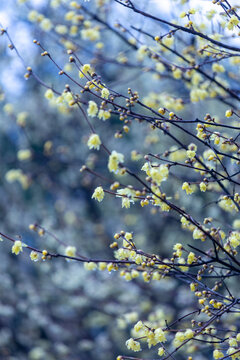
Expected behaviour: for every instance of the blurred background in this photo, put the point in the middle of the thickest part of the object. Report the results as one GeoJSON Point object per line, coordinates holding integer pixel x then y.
{"type": "Point", "coordinates": [56, 309]}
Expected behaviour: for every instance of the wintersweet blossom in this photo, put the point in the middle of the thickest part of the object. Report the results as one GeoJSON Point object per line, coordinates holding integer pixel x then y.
{"type": "Point", "coordinates": [127, 197]}
{"type": "Point", "coordinates": [61, 29]}
{"type": "Point", "coordinates": [199, 234]}
{"type": "Point", "coordinates": [234, 238]}
{"type": "Point", "coordinates": [189, 334]}
{"type": "Point", "coordinates": [17, 247]}
{"type": "Point", "coordinates": [159, 174]}
{"type": "Point", "coordinates": [94, 142]}
{"type": "Point", "coordinates": [138, 326]}
{"type": "Point", "coordinates": [160, 335]}
{"type": "Point", "coordinates": [179, 339]}
{"type": "Point", "coordinates": [85, 69]}
{"type": "Point", "coordinates": [161, 351]}
{"type": "Point", "coordinates": [229, 113]}
{"type": "Point", "coordinates": [105, 93]}
{"type": "Point", "coordinates": [70, 251]}
{"type": "Point", "coordinates": [191, 258]}
{"type": "Point", "coordinates": [232, 22]}
{"type": "Point", "coordinates": [98, 194]}
{"type": "Point", "coordinates": [133, 345]}
{"type": "Point", "coordinates": [46, 24]}
{"type": "Point", "coordinates": [49, 94]}
{"type": "Point", "coordinates": [90, 266]}
{"type": "Point", "coordinates": [34, 256]}
{"type": "Point", "coordinates": [218, 67]}
{"type": "Point", "coordinates": [104, 114]}
{"type": "Point", "coordinates": [217, 354]}
{"type": "Point", "coordinates": [92, 108]}
{"type": "Point", "coordinates": [102, 266]}
{"type": "Point", "coordinates": [203, 186]}
{"type": "Point", "coordinates": [91, 34]}
{"type": "Point", "coordinates": [188, 188]}
{"type": "Point", "coordinates": [114, 160]}
{"type": "Point", "coordinates": [24, 154]}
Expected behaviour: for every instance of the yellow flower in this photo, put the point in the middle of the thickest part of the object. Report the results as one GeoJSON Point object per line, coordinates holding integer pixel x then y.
{"type": "Point", "coordinates": [46, 24]}
{"type": "Point", "coordinates": [17, 247]}
{"type": "Point", "coordinates": [192, 11]}
{"type": "Point", "coordinates": [92, 108]}
{"type": "Point", "coordinates": [17, 175]}
{"type": "Point", "coordinates": [146, 167]}
{"type": "Point", "coordinates": [61, 29]}
{"type": "Point", "coordinates": [128, 276]}
{"type": "Point", "coordinates": [232, 22]}
{"type": "Point", "coordinates": [179, 338]}
{"type": "Point", "coordinates": [102, 266]}
{"type": "Point", "coordinates": [70, 251]}
{"type": "Point", "coordinates": [189, 333]}
{"type": "Point", "coordinates": [168, 41]}
{"type": "Point", "coordinates": [133, 345]}
{"type": "Point", "coordinates": [234, 238]}
{"type": "Point", "coordinates": [128, 236]}
{"type": "Point", "coordinates": [227, 204]}
{"type": "Point", "coordinates": [135, 156]}
{"type": "Point", "coordinates": [98, 194]}
{"type": "Point", "coordinates": [191, 258]}
{"type": "Point", "coordinates": [188, 188]}
{"type": "Point", "coordinates": [159, 335]}
{"type": "Point", "coordinates": [229, 113]}
{"type": "Point", "coordinates": [198, 234]}
{"type": "Point", "coordinates": [104, 114]}
{"type": "Point", "coordinates": [99, 45]}
{"type": "Point", "coordinates": [138, 326]}
{"type": "Point", "coordinates": [159, 174]}
{"type": "Point", "coordinates": [182, 262]}
{"type": "Point", "coordinates": [203, 186]}
{"type": "Point", "coordinates": [86, 68]}
{"type": "Point", "coordinates": [73, 30]}
{"type": "Point", "coordinates": [160, 67]}
{"type": "Point", "coordinates": [24, 154]}
{"type": "Point", "coordinates": [126, 202]}
{"type": "Point", "coordinates": [233, 342]}
{"type": "Point", "coordinates": [105, 93]}
{"type": "Point", "coordinates": [232, 351]}
{"type": "Point", "coordinates": [217, 354]}
{"type": "Point", "coordinates": [193, 287]}
{"type": "Point", "coordinates": [94, 142]}
{"type": "Point", "coordinates": [21, 118]}
{"type": "Point", "coordinates": [33, 15]}
{"type": "Point", "coordinates": [49, 94]}
{"type": "Point", "coordinates": [75, 4]}
{"type": "Point", "coordinates": [8, 109]}
{"type": "Point", "coordinates": [90, 266]}
{"type": "Point", "coordinates": [91, 34]}
{"type": "Point", "coordinates": [183, 14]}
{"type": "Point", "coordinates": [34, 256]}
{"type": "Point", "coordinates": [177, 74]}
{"type": "Point", "coordinates": [161, 111]}
{"type": "Point", "coordinates": [191, 154]}
{"type": "Point", "coordinates": [114, 159]}
{"type": "Point", "coordinates": [236, 224]}
{"type": "Point", "coordinates": [217, 67]}
{"type": "Point", "coordinates": [161, 351]}
{"type": "Point", "coordinates": [69, 15]}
